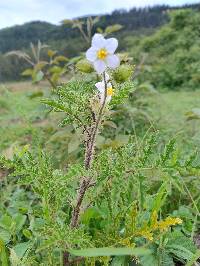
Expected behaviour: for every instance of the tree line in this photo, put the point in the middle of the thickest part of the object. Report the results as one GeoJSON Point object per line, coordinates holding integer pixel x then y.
{"type": "Point", "coordinates": [66, 39]}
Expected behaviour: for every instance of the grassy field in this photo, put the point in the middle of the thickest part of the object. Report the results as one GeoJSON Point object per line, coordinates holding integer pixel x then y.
{"type": "Point", "coordinates": [21, 116]}
{"type": "Point", "coordinates": [24, 120]}
{"type": "Point", "coordinates": [170, 113]}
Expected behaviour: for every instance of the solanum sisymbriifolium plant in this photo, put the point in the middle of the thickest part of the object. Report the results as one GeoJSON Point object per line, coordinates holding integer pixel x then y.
{"type": "Point", "coordinates": [88, 105]}
{"type": "Point", "coordinates": [110, 206]}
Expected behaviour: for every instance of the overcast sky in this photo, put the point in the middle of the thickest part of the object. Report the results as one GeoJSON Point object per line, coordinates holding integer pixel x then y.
{"type": "Point", "coordinates": [14, 12]}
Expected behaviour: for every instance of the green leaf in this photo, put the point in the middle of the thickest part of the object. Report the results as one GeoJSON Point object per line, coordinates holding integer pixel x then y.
{"type": "Point", "coordinates": [74, 143]}
{"type": "Point", "coordinates": [119, 261]}
{"type": "Point", "coordinates": [113, 28]}
{"type": "Point", "coordinates": [166, 259]}
{"type": "Point", "coordinates": [27, 233]}
{"type": "Point", "coordinates": [178, 241]}
{"type": "Point", "coordinates": [150, 260]}
{"type": "Point", "coordinates": [6, 222]}
{"type": "Point", "coordinates": [40, 65]}
{"type": "Point", "coordinates": [27, 72]}
{"type": "Point", "coordinates": [20, 221]}
{"type": "Point", "coordinates": [54, 104]}
{"type": "Point", "coordinates": [3, 254]}
{"type": "Point", "coordinates": [21, 248]}
{"type": "Point", "coordinates": [180, 246]}
{"type": "Point", "coordinates": [60, 58]}
{"type": "Point", "coordinates": [51, 53]}
{"type": "Point", "coordinates": [56, 69]}
{"type": "Point", "coordinates": [180, 251]}
{"type": "Point", "coordinates": [98, 252]}
{"type": "Point", "coordinates": [5, 235]}
{"type": "Point", "coordinates": [195, 257]}
{"type": "Point", "coordinates": [90, 213]}
{"type": "Point", "coordinates": [160, 197]}
{"type": "Point", "coordinates": [38, 76]}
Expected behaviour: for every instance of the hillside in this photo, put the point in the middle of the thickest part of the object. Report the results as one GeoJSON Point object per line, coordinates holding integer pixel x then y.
{"type": "Point", "coordinates": [18, 37]}
{"type": "Point", "coordinates": [66, 39]}
{"type": "Point", "coordinates": [172, 53]}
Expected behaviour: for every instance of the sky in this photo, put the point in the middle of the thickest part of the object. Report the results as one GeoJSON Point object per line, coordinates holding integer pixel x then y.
{"type": "Point", "coordinates": [13, 12]}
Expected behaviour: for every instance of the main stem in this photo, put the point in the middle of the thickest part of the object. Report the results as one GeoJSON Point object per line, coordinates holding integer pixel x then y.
{"type": "Point", "coordinates": [91, 144]}
{"type": "Point", "coordinates": [89, 153]}
{"type": "Point", "coordinates": [85, 182]}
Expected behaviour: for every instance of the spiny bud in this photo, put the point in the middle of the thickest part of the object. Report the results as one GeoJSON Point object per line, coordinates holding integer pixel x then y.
{"type": "Point", "coordinates": [123, 73]}
{"type": "Point", "coordinates": [84, 66]}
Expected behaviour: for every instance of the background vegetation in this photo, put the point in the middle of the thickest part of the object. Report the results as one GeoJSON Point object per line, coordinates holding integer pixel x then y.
{"type": "Point", "coordinates": [136, 22]}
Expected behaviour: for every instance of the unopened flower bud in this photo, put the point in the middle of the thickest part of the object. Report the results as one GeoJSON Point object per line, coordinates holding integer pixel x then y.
{"type": "Point", "coordinates": [84, 66]}
{"type": "Point", "coordinates": [123, 73]}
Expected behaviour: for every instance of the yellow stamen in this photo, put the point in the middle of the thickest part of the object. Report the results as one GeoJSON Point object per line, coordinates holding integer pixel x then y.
{"type": "Point", "coordinates": [110, 91]}
{"type": "Point", "coordinates": [102, 53]}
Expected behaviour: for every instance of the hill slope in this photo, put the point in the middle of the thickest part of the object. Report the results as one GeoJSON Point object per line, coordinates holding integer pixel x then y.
{"type": "Point", "coordinates": [67, 40]}
{"type": "Point", "coordinates": [172, 52]}
{"type": "Point", "coordinates": [19, 37]}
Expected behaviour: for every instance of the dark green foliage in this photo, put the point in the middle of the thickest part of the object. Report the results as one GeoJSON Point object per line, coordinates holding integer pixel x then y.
{"type": "Point", "coordinates": [11, 68]}
{"type": "Point", "coordinates": [63, 37]}
{"type": "Point", "coordinates": [172, 53]}
{"type": "Point", "coordinates": [110, 205]}
{"type": "Point", "coordinates": [18, 37]}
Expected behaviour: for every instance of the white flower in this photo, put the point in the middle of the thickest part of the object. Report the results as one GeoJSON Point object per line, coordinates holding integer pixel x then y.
{"type": "Point", "coordinates": [101, 53]}
{"type": "Point", "coordinates": [102, 90]}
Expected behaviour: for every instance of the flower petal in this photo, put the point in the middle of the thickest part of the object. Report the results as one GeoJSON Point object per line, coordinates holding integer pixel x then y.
{"type": "Point", "coordinates": [91, 54]}
{"type": "Point", "coordinates": [107, 76]}
{"type": "Point", "coordinates": [111, 45]}
{"type": "Point", "coordinates": [100, 86]}
{"type": "Point", "coordinates": [98, 41]}
{"type": "Point", "coordinates": [109, 85]}
{"type": "Point", "coordinates": [99, 66]}
{"type": "Point", "coordinates": [112, 61]}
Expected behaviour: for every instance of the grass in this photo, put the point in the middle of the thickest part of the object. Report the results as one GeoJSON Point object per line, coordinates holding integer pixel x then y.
{"type": "Point", "coordinates": [24, 120]}
{"type": "Point", "coordinates": [169, 111]}
{"type": "Point", "coordinates": [19, 115]}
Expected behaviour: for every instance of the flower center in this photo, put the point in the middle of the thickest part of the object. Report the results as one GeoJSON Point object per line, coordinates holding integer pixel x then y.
{"type": "Point", "coordinates": [102, 53]}
{"type": "Point", "coordinates": [110, 91]}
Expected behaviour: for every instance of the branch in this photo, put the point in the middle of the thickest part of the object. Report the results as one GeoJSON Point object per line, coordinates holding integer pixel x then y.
{"type": "Point", "coordinates": [75, 215]}
{"type": "Point", "coordinates": [139, 67]}
{"type": "Point", "coordinates": [53, 85]}
{"type": "Point", "coordinates": [90, 150]}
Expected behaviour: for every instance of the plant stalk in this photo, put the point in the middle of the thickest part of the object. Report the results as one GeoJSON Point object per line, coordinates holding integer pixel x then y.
{"type": "Point", "coordinates": [85, 182]}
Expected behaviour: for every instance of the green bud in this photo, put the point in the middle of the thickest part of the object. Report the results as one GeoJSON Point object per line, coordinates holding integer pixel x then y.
{"type": "Point", "coordinates": [84, 66]}
{"type": "Point", "coordinates": [123, 73]}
